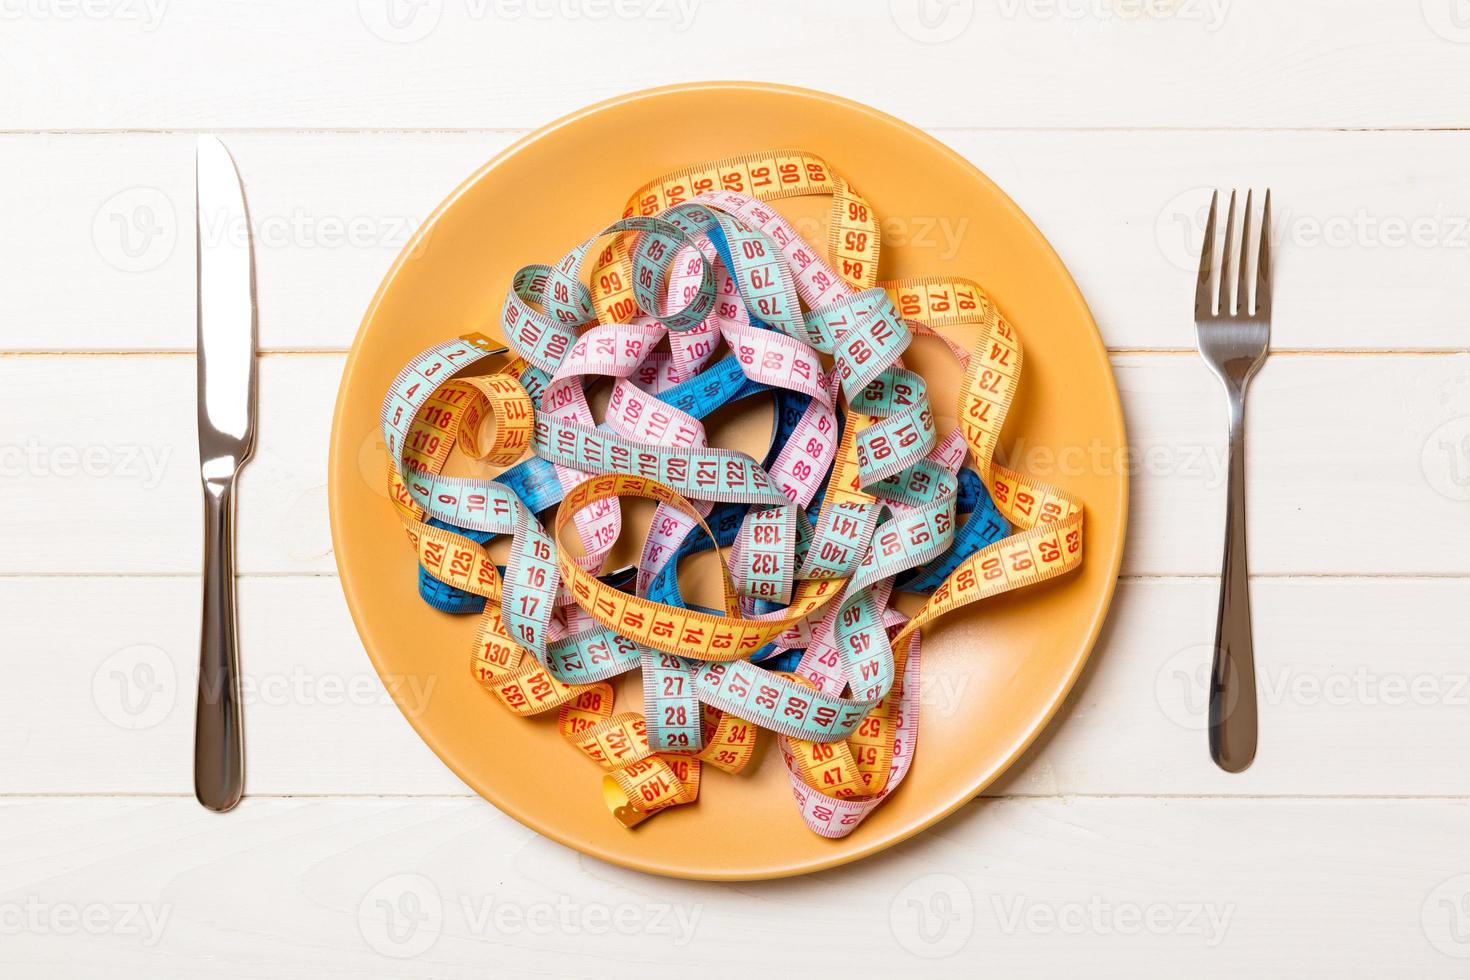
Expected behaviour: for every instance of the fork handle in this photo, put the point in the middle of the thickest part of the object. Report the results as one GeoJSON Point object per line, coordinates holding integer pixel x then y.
{"type": "Point", "coordinates": [219, 753]}
{"type": "Point", "coordinates": [1233, 675]}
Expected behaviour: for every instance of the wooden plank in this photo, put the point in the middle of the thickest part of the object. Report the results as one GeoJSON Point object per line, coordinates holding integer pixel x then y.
{"type": "Point", "coordinates": [1344, 453]}
{"type": "Point", "coordinates": [1371, 229]}
{"type": "Point", "coordinates": [1014, 63]}
{"type": "Point", "coordinates": [106, 456]}
{"type": "Point", "coordinates": [1367, 670]}
{"type": "Point", "coordinates": [104, 701]}
{"type": "Point", "coordinates": [1357, 680]}
{"type": "Point", "coordinates": [328, 216]}
{"type": "Point", "coordinates": [331, 889]}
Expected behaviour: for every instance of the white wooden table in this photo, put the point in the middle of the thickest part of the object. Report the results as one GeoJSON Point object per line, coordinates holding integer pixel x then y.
{"type": "Point", "coordinates": [1114, 849]}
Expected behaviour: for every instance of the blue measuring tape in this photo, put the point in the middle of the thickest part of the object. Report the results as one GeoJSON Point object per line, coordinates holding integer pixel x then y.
{"type": "Point", "coordinates": [984, 526]}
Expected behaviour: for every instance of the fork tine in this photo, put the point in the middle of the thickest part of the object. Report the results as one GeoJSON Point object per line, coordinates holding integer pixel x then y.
{"type": "Point", "coordinates": [1242, 282]}
{"type": "Point", "coordinates": [1202, 306]}
{"type": "Point", "coordinates": [1263, 264]}
{"type": "Point", "coordinates": [1225, 308]}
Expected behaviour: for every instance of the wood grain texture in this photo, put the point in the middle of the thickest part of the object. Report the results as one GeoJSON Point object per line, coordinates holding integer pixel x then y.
{"type": "Point", "coordinates": [453, 64]}
{"type": "Point", "coordinates": [1372, 230]}
{"type": "Point", "coordinates": [1371, 670]}
{"type": "Point", "coordinates": [450, 888]}
{"type": "Point", "coordinates": [1342, 450]}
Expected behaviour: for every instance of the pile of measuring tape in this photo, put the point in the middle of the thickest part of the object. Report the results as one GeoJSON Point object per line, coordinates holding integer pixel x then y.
{"type": "Point", "coordinates": [701, 296]}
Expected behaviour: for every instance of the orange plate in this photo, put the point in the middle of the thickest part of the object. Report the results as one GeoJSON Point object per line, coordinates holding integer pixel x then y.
{"type": "Point", "coordinates": [993, 674]}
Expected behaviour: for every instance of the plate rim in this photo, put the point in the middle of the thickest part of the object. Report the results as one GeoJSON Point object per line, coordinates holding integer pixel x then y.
{"type": "Point", "coordinates": [335, 462]}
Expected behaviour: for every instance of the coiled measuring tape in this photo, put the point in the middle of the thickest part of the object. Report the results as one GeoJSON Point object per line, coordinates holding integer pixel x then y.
{"type": "Point", "coordinates": [703, 295]}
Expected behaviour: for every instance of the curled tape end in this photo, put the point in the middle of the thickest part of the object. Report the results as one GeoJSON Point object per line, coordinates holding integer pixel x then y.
{"type": "Point", "coordinates": [617, 802]}
{"type": "Point", "coordinates": [485, 344]}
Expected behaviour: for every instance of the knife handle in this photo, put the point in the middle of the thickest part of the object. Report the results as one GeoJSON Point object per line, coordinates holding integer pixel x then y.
{"type": "Point", "coordinates": [219, 758]}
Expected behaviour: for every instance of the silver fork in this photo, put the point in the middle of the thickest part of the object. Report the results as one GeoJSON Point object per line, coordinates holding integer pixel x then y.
{"type": "Point", "coordinates": [1234, 341]}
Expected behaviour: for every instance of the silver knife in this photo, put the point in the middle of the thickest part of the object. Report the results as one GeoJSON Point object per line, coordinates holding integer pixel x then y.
{"type": "Point", "coordinates": [226, 364]}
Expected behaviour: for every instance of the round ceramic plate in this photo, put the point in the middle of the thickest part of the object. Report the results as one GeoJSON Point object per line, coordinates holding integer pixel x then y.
{"type": "Point", "coordinates": [993, 674]}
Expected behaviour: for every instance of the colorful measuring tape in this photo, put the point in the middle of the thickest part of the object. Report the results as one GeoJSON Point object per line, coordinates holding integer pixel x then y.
{"type": "Point", "coordinates": [705, 295]}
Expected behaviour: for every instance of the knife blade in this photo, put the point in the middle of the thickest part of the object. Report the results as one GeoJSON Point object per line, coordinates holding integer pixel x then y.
{"type": "Point", "coordinates": [226, 421]}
